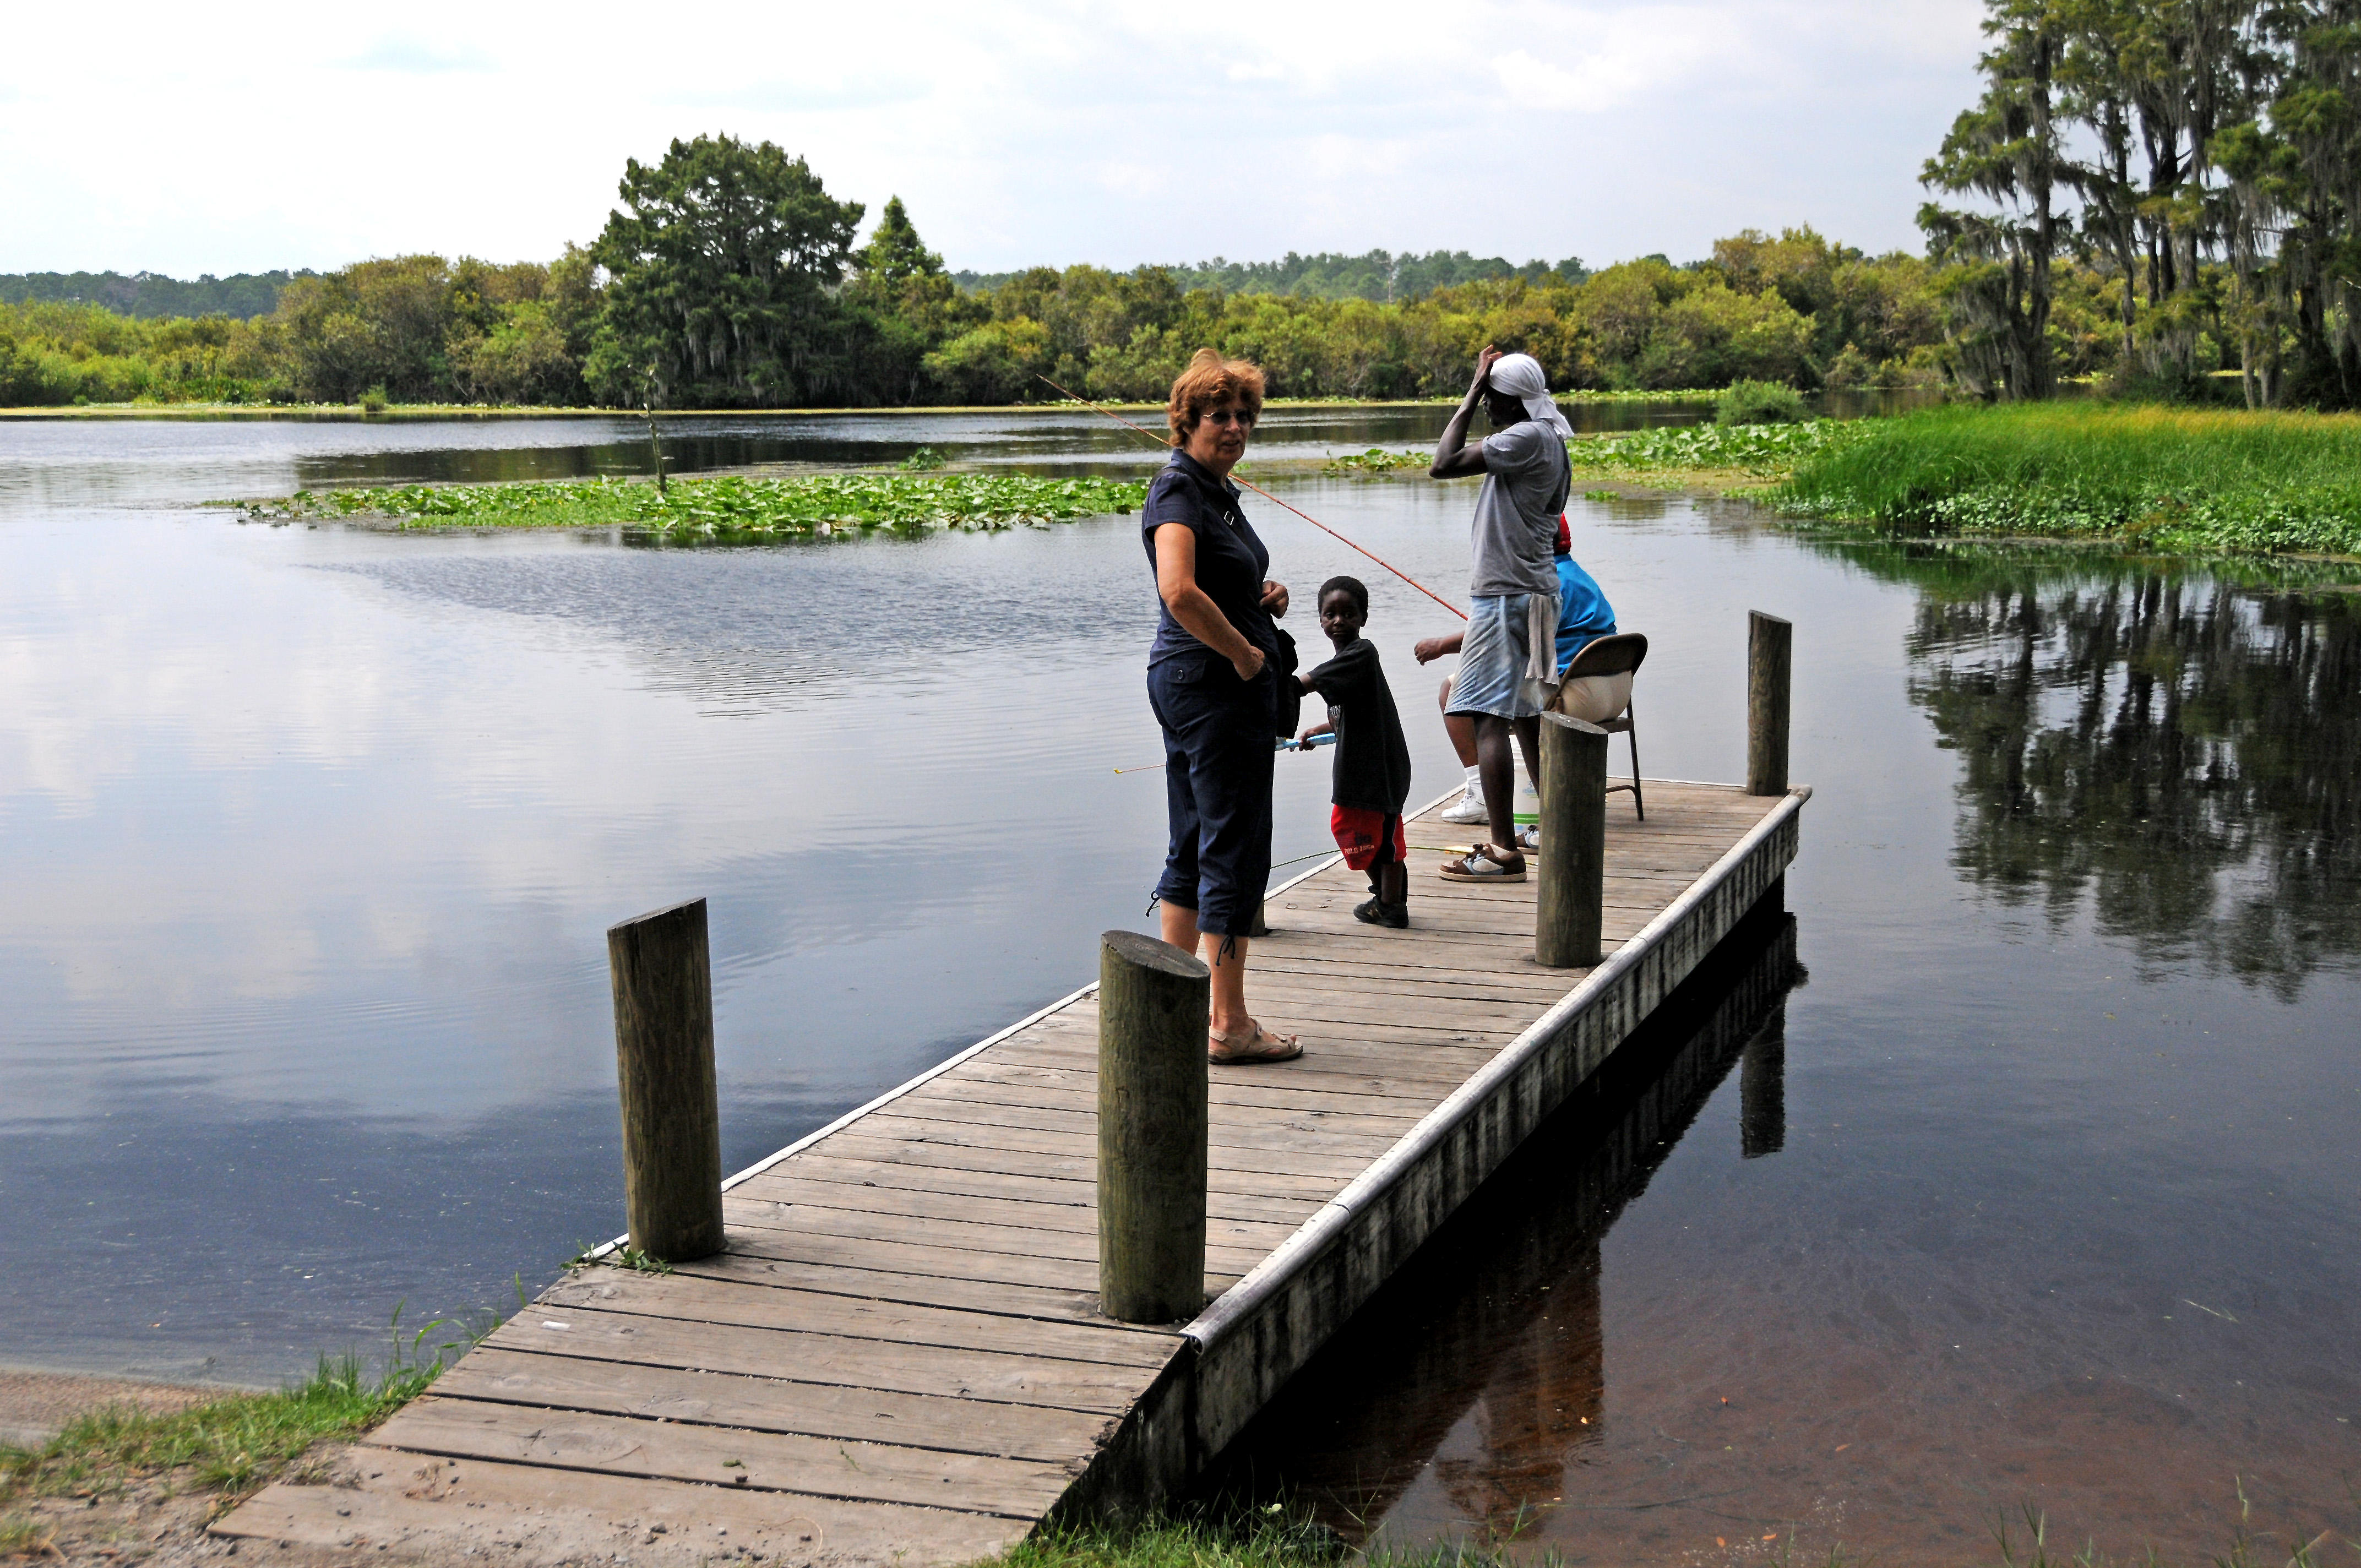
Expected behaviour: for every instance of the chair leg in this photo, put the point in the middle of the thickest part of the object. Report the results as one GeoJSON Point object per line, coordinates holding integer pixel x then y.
{"type": "Point", "coordinates": [1639, 803]}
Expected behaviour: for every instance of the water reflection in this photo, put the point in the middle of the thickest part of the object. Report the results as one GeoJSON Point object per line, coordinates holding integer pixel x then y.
{"type": "Point", "coordinates": [1492, 1337]}
{"type": "Point", "coordinates": [2174, 751]}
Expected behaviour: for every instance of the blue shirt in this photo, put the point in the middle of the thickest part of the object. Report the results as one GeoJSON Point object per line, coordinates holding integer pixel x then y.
{"type": "Point", "coordinates": [1231, 559]}
{"type": "Point", "coordinates": [1582, 613]}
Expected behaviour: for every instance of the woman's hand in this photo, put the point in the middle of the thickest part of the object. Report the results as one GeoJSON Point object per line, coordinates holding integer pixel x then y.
{"type": "Point", "coordinates": [1274, 597]}
{"type": "Point", "coordinates": [1251, 665]}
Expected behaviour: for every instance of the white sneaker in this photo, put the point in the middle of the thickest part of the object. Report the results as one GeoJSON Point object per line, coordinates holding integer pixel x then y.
{"type": "Point", "coordinates": [1469, 808]}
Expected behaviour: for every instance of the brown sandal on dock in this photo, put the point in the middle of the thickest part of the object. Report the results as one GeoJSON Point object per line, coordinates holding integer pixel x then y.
{"type": "Point", "coordinates": [1265, 1046]}
{"type": "Point", "coordinates": [1483, 863]}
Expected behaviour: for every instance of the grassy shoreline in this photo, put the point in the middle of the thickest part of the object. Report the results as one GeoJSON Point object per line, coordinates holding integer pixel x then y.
{"type": "Point", "coordinates": [2167, 480]}
{"type": "Point", "coordinates": [2178, 480]}
{"type": "Point", "coordinates": [116, 1472]}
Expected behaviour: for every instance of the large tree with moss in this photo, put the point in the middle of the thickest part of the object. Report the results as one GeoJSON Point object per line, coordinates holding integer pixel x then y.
{"type": "Point", "coordinates": [724, 263]}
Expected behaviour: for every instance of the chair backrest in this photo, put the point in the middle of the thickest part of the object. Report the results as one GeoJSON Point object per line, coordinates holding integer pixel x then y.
{"type": "Point", "coordinates": [1612, 655]}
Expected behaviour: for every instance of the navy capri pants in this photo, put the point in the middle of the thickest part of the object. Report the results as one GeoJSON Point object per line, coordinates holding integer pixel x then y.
{"type": "Point", "coordinates": [1219, 746]}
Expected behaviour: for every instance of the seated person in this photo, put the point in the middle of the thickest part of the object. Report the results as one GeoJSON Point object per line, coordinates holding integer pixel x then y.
{"type": "Point", "coordinates": [1583, 615]}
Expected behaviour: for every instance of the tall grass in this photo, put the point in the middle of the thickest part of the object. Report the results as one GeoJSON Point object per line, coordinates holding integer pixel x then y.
{"type": "Point", "coordinates": [2168, 478]}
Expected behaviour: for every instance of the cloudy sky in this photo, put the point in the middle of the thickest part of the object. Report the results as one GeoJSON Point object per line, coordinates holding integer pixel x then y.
{"type": "Point", "coordinates": [238, 138]}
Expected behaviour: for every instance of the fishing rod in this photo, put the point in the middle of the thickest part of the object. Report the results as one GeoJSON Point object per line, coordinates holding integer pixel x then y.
{"type": "Point", "coordinates": [1265, 495]}
{"type": "Point", "coordinates": [1284, 744]}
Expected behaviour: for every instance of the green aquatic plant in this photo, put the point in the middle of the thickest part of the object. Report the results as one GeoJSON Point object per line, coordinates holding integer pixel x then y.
{"type": "Point", "coordinates": [729, 506]}
{"type": "Point", "coordinates": [923, 459]}
{"type": "Point", "coordinates": [1376, 460]}
{"type": "Point", "coordinates": [1753, 449]}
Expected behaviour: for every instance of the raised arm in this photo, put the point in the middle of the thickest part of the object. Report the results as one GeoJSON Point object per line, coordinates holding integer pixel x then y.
{"type": "Point", "coordinates": [1454, 458]}
{"type": "Point", "coordinates": [1175, 584]}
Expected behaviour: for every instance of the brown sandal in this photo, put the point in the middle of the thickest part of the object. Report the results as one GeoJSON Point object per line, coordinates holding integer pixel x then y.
{"type": "Point", "coordinates": [1265, 1046]}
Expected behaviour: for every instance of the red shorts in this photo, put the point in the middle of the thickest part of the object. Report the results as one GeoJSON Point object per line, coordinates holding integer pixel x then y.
{"type": "Point", "coordinates": [1365, 836]}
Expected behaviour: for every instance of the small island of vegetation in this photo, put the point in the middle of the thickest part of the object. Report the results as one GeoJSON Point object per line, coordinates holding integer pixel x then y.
{"type": "Point", "coordinates": [725, 505]}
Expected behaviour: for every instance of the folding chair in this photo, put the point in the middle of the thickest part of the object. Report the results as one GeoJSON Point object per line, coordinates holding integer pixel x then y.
{"type": "Point", "coordinates": [1619, 654]}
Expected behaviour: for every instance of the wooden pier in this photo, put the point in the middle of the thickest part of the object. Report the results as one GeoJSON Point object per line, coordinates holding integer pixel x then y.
{"type": "Point", "coordinates": [898, 1356]}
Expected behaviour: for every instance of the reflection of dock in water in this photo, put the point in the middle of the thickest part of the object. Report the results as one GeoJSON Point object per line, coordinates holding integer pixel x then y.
{"type": "Point", "coordinates": [1495, 1375]}
{"type": "Point", "coordinates": [898, 1355]}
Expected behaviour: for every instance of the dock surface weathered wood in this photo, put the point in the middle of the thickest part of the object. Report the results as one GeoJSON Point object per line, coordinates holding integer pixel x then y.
{"type": "Point", "coordinates": [898, 1357]}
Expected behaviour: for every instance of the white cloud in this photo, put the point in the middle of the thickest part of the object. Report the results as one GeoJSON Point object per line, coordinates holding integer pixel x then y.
{"type": "Point", "coordinates": [416, 56]}
{"type": "Point", "coordinates": [1048, 131]}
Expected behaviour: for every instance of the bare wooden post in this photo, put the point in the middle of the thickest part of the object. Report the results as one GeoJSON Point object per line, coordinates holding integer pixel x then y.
{"type": "Point", "coordinates": [1768, 645]}
{"type": "Point", "coordinates": [1154, 1002]}
{"type": "Point", "coordinates": [1569, 917]}
{"type": "Point", "coordinates": [663, 1060]}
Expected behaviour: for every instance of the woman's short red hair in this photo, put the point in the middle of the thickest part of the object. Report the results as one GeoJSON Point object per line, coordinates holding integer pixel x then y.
{"type": "Point", "coordinates": [1210, 380]}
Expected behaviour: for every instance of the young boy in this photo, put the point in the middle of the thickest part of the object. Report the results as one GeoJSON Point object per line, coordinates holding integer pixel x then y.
{"type": "Point", "coordinates": [1372, 758]}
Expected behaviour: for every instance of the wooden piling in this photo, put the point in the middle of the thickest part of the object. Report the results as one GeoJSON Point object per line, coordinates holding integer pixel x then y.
{"type": "Point", "coordinates": [663, 1058]}
{"type": "Point", "coordinates": [1763, 1091]}
{"type": "Point", "coordinates": [1569, 904]}
{"type": "Point", "coordinates": [1154, 1002]}
{"type": "Point", "coordinates": [1769, 644]}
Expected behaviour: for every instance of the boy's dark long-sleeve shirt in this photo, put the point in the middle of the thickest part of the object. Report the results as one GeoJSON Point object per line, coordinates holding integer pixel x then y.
{"type": "Point", "coordinates": [1372, 758]}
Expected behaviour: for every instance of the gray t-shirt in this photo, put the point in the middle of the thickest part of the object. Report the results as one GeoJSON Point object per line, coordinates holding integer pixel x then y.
{"type": "Point", "coordinates": [1526, 478]}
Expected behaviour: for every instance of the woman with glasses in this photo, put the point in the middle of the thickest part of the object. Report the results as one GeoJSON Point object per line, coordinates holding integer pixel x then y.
{"type": "Point", "coordinates": [1213, 678]}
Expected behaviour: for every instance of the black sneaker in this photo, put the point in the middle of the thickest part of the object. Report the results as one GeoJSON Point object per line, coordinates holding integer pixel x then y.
{"type": "Point", "coordinates": [1373, 913]}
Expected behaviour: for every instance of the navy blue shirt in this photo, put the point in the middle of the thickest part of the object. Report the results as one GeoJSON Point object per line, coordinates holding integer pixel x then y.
{"type": "Point", "coordinates": [1231, 559]}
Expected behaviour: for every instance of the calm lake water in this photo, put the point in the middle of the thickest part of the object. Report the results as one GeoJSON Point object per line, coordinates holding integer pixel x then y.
{"type": "Point", "coordinates": [2042, 1191]}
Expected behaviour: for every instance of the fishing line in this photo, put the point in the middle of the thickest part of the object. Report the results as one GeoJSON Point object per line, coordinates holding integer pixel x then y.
{"type": "Point", "coordinates": [1274, 500]}
{"type": "Point", "coordinates": [1284, 745]}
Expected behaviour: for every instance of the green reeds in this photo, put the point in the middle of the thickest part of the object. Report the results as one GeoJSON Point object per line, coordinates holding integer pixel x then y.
{"type": "Point", "coordinates": [2166, 478]}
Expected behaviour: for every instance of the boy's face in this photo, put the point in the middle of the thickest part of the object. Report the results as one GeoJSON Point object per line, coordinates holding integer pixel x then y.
{"type": "Point", "coordinates": [1340, 618]}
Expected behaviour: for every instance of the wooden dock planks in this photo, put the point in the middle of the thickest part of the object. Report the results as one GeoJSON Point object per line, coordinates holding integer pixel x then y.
{"type": "Point", "coordinates": [898, 1357]}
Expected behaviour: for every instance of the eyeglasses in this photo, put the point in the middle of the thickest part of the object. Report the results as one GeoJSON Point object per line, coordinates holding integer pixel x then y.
{"type": "Point", "coordinates": [1238, 417]}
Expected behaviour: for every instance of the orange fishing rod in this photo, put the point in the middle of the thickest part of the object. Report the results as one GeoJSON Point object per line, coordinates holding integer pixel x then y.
{"type": "Point", "coordinates": [1265, 495]}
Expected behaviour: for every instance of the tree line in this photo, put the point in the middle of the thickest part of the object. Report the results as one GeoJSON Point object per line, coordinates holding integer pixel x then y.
{"type": "Point", "coordinates": [241, 295]}
{"type": "Point", "coordinates": [2200, 159]}
{"type": "Point", "coordinates": [1378, 275]}
{"type": "Point", "coordinates": [728, 276]}
{"type": "Point", "coordinates": [2159, 193]}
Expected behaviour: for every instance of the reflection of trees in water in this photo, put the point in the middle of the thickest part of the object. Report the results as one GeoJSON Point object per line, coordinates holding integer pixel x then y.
{"type": "Point", "coordinates": [2180, 750]}
{"type": "Point", "coordinates": [1484, 1362]}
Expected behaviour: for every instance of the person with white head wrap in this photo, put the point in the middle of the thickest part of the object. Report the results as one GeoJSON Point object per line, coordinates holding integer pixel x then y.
{"type": "Point", "coordinates": [1519, 376]}
{"type": "Point", "coordinates": [1508, 656]}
